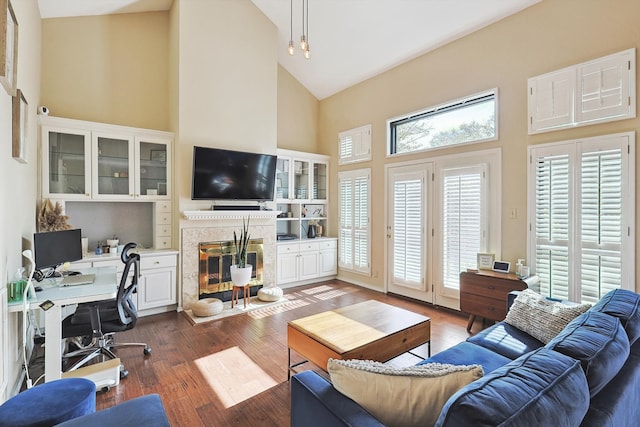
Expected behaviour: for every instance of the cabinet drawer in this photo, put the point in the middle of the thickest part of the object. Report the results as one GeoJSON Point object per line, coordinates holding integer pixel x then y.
{"type": "Point", "coordinates": [163, 218]}
{"type": "Point", "coordinates": [309, 246]}
{"type": "Point", "coordinates": [157, 261]}
{"type": "Point", "coordinates": [489, 308]}
{"type": "Point", "coordinates": [162, 242]}
{"type": "Point", "coordinates": [163, 206]}
{"type": "Point", "coordinates": [114, 262]}
{"type": "Point", "coordinates": [290, 248]}
{"type": "Point", "coordinates": [163, 230]}
{"type": "Point", "coordinates": [489, 287]}
{"type": "Point", "coordinates": [328, 244]}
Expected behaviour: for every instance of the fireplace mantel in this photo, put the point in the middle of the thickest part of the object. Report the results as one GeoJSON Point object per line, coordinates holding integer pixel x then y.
{"type": "Point", "coordinates": [210, 214]}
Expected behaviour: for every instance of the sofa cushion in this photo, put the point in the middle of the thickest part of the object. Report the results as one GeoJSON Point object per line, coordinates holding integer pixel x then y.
{"type": "Point", "coordinates": [625, 305]}
{"type": "Point", "coordinates": [540, 389]}
{"type": "Point", "coordinates": [541, 318]}
{"type": "Point", "coordinates": [599, 342]}
{"type": "Point", "coordinates": [467, 353]}
{"type": "Point", "coordinates": [506, 340]}
{"type": "Point", "coordinates": [400, 397]}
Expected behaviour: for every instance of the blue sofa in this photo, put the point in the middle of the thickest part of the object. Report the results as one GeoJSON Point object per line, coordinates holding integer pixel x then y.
{"type": "Point", "coordinates": [588, 375]}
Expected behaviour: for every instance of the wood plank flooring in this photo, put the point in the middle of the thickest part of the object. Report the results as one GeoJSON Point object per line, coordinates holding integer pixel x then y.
{"type": "Point", "coordinates": [233, 371]}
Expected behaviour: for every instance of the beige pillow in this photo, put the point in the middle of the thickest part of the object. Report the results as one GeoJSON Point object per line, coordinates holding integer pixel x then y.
{"type": "Point", "coordinates": [541, 318]}
{"type": "Point", "coordinates": [412, 396]}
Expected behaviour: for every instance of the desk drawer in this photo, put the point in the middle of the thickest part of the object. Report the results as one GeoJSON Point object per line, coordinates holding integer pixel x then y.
{"type": "Point", "coordinates": [489, 308]}
{"type": "Point", "coordinates": [157, 261]}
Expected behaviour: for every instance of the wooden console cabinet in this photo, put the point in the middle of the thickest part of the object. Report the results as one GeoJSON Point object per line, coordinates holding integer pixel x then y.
{"type": "Point", "coordinates": [484, 294]}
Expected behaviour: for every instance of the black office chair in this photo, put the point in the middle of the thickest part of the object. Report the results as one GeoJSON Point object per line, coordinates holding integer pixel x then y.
{"type": "Point", "coordinates": [93, 325]}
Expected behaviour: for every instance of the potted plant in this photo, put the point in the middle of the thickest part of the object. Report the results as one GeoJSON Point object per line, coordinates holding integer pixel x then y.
{"type": "Point", "coordinates": [241, 271]}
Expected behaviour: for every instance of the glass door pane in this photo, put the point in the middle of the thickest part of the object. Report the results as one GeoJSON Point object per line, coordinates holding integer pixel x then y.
{"type": "Point", "coordinates": [113, 166]}
{"type": "Point", "coordinates": [319, 181]}
{"type": "Point", "coordinates": [153, 169]}
{"type": "Point", "coordinates": [67, 164]}
{"type": "Point", "coordinates": [301, 179]}
{"type": "Point", "coordinates": [282, 178]}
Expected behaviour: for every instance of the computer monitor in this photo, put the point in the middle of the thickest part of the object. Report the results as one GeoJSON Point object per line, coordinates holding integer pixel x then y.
{"type": "Point", "coordinates": [53, 248]}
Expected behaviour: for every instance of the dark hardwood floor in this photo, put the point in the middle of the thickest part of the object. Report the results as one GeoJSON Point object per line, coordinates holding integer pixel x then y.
{"type": "Point", "coordinates": [233, 371]}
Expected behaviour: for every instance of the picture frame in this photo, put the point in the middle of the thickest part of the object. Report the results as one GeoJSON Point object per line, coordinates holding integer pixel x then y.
{"type": "Point", "coordinates": [8, 47]}
{"type": "Point", "coordinates": [20, 109]}
{"type": "Point", "coordinates": [485, 260]}
{"type": "Point", "coordinates": [158, 155]}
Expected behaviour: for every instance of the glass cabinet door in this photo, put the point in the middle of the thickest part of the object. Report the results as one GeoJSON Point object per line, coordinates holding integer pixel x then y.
{"type": "Point", "coordinates": [66, 164]}
{"type": "Point", "coordinates": [320, 186]}
{"type": "Point", "coordinates": [152, 179]}
{"type": "Point", "coordinates": [301, 179]}
{"type": "Point", "coordinates": [282, 178]}
{"type": "Point", "coordinates": [112, 167]}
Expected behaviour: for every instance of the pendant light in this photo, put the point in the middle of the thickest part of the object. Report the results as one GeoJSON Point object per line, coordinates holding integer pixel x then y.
{"type": "Point", "coordinates": [292, 48]}
{"type": "Point", "coordinates": [304, 38]}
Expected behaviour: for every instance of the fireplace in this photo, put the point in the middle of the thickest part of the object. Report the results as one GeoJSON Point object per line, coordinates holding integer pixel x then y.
{"type": "Point", "coordinates": [215, 260]}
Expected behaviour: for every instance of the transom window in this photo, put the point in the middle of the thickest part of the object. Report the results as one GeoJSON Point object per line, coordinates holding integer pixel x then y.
{"type": "Point", "coordinates": [467, 120]}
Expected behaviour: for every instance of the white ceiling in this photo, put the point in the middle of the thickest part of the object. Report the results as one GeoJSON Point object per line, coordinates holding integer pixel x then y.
{"type": "Point", "coordinates": [350, 40]}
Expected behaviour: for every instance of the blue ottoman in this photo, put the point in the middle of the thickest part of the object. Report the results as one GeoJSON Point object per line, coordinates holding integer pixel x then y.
{"type": "Point", "coordinates": [50, 403]}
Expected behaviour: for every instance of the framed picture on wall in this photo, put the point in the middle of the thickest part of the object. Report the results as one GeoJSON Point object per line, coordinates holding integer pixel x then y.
{"type": "Point", "coordinates": [8, 47]}
{"type": "Point", "coordinates": [19, 125]}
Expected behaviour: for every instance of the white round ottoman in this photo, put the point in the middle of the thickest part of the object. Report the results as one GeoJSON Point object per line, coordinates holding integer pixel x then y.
{"type": "Point", "coordinates": [207, 307]}
{"type": "Point", "coordinates": [273, 293]}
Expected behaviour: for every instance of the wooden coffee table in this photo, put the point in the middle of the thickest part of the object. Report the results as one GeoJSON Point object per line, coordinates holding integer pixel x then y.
{"type": "Point", "coordinates": [368, 330]}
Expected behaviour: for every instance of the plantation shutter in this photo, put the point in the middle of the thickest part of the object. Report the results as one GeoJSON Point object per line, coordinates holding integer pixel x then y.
{"type": "Point", "coordinates": [552, 225]}
{"type": "Point", "coordinates": [463, 222]}
{"type": "Point", "coordinates": [601, 223]}
{"type": "Point", "coordinates": [408, 216]}
{"type": "Point", "coordinates": [354, 233]}
{"type": "Point", "coordinates": [354, 145]}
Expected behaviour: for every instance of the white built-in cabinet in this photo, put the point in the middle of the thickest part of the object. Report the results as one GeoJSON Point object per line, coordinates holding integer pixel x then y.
{"type": "Point", "coordinates": [157, 290]}
{"type": "Point", "coordinates": [95, 161]}
{"type": "Point", "coordinates": [597, 91]}
{"type": "Point", "coordinates": [306, 260]}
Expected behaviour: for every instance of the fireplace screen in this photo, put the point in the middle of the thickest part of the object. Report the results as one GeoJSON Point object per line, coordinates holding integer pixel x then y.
{"type": "Point", "coordinates": [216, 258]}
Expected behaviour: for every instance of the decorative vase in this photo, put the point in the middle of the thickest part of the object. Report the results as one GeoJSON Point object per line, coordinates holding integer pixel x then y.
{"type": "Point", "coordinates": [241, 276]}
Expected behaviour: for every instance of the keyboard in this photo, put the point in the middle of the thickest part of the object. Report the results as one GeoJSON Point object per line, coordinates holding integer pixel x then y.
{"type": "Point", "coordinates": [78, 279]}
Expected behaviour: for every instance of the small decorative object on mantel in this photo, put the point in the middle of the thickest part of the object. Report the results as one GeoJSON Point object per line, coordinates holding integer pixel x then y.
{"type": "Point", "coordinates": [50, 217]}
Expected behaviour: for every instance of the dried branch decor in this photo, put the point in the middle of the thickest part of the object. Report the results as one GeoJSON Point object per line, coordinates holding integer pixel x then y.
{"type": "Point", "coordinates": [50, 217]}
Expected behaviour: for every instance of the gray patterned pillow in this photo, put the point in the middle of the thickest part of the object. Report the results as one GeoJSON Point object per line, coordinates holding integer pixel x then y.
{"type": "Point", "coordinates": [541, 318]}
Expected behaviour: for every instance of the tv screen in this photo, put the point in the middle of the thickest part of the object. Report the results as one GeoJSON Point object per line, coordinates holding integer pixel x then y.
{"type": "Point", "coordinates": [53, 248]}
{"type": "Point", "coordinates": [232, 175]}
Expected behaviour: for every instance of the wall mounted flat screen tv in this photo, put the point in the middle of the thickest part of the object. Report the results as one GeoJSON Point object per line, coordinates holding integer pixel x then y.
{"type": "Point", "coordinates": [232, 175]}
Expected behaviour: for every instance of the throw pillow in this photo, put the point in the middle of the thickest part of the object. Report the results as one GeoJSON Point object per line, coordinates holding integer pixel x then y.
{"type": "Point", "coordinates": [541, 318]}
{"type": "Point", "coordinates": [412, 396]}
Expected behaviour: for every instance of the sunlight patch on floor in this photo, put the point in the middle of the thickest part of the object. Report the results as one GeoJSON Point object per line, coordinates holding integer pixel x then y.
{"type": "Point", "coordinates": [292, 304]}
{"type": "Point", "coordinates": [233, 376]}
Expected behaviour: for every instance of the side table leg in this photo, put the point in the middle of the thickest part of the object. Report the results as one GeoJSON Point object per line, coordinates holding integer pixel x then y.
{"type": "Point", "coordinates": [472, 318]}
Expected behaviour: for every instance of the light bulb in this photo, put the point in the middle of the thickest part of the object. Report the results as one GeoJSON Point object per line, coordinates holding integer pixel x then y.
{"type": "Point", "coordinates": [303, 43]}
{"type": "Point", "coordinates": [307, 52]}
{"type": "Point", "coordinates": [292, 48]}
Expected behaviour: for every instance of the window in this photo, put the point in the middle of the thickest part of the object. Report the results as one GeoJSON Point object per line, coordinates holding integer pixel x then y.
{"type": "Point", "coordinates": [583, 213]}
{"type": "Point", "coordinates": [471, 119]}
{"type": "Point", "coordinates": [354, 211]}
{"type": "Point", "coordinates": [354, 145]}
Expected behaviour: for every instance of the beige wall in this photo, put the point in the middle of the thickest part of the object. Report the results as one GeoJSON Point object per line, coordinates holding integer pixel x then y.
{"type": "Point", "coordinates": [550, 35]}
{"type": "Point", "coordinates": [227, 82]}
{"type": "Point", "coordinates": [111, 69]}
{"type": "Point", "coordinates": [18, 184]}
{"type": "Point", "coordinates": [297, 114]}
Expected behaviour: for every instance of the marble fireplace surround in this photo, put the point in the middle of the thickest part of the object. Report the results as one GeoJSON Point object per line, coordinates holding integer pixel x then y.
{"type": "Point", "coordinates": [209, 226]}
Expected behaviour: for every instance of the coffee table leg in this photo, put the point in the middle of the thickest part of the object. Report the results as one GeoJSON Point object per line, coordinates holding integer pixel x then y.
{"type": "Point", "coordinates": [290, 366]}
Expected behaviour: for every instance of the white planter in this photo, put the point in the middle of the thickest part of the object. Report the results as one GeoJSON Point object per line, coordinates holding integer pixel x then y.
{"type": "Point", "coordinates": [241, 276]}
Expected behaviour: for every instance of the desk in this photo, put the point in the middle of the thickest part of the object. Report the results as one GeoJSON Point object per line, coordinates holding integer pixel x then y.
{"type": "Point", "coordinates": [104, 287]}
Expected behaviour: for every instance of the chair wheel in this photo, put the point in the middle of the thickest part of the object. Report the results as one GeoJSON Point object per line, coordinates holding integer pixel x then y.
{"type": "Point", "coordinates": [105, 389]}
{"type": "Point", "coordinates": [147, 351]}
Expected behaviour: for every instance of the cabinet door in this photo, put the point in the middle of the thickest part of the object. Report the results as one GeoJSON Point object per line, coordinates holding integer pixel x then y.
{"type": "Point", "coordinates": [320, 185]}
{"type": "Point", "coordinates": [283, 179]}
{"type": "Point", "coordinates": [153, 176]}
{"type": "Point", "coordinates": [287, 268]}
{"type": "Point", "coordinates": [308, 264]}
{"type": "Point", "coordinates": [301, 179]}
{"type": "Point", "coordinates": [156, 288]}
{"type": "Point", "coordinates": [328, 257]}
{"type": "Point", "coordinates": [112, 166]}
{"type": "Point", "coordinates": [66, 163]}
